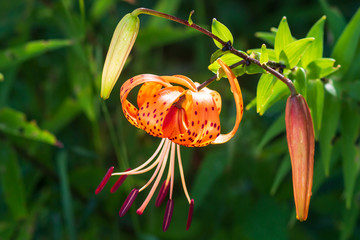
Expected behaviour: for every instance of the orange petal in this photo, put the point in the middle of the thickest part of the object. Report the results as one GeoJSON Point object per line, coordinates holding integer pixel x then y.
{"type": "Point", "coordinates": [147, 89]}
{"type": "Point", "coordinates": [216, 96]}
{"type": "Point", "coordinates": [235, 88]}
{"type": "Point", "coordinates": [182, 80]}
{"type": "Point", "coordinates": [130, 111]}
{"type": "Point", "coordinates": [153, 111]}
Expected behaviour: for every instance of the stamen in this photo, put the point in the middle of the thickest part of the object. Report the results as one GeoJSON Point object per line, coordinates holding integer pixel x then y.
{"type": "Point", "coordinates": [172, 163]}
{"type": "Point", "coordinates": [163, 165]}
{"type": "Point", "coordinates": [128, 202]}
{"type": "Point", "coordinates": [168, 214]}
{"type": "Point", "coordinates": [104, 180]}
{"type": "Point", "coordinates": [136, 170]}
{"type": "Point", "coordinates": [182, 174]}
{"type": "Point", "coordinates": [162, 193]}
{"type": "Point", "coordinates": [119, 182]}
{"type": "Point", "coordinates": [191, 209]}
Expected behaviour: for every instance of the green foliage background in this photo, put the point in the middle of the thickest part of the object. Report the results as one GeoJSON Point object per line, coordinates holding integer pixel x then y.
{"type": "Point", "coordinates": [51, 60]}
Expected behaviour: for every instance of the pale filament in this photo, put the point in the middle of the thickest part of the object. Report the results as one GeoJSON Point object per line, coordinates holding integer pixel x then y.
{"type": "Point", "coordinates": [163, 157]}
{"type": "Point", "coordinates": [136, 170]}
{"type": "Point", "coordinates": [182, 175]}
{"type": "Point", "coordinates": [156, 183]}
{"type": "Point", "coordinates": [171, 168]}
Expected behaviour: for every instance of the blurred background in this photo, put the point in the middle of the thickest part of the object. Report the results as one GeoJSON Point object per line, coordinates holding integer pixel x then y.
{"type": "Point", "coordinates": [58, 138]}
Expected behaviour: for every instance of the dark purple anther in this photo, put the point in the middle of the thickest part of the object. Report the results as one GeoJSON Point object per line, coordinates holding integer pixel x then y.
{"type": "Point", "coordinates": [191, 209]}
{"type": "Point", "coordinates": [162, 193]}
{"type": "Point", "coordinates": [168, 214]}
{"type": "Point", "coordinates": [128, 202]}
{"type": "Point", "coordinates": [104, 180]}
{"type": "Point", "coordinates": [119, 182]}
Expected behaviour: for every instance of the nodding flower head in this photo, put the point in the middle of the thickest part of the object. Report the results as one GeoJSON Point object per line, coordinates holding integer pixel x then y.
{"type": "Point", "coordinates": [188, 117]}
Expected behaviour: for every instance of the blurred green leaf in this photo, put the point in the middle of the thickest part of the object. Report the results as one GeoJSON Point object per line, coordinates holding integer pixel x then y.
{"type": "Point", "coordinates": [62, 160]}
{"type": "Point", "coordinates": [264, 57]}
{"type": "Point", "coordinates": [268, 37]}
{"type": "Point", "coordinates": [315, 100]}
{"type": "Point", "coordinates": [344, 49]}
{"type": "Point", "coordinates": [209, 172]}
{"type": "Point", "coordinates": [15, 55]}
{"type": "Point", "coordinates": [300, 82]}
{"type": "Point", "coordinates": [12, 183]}
{"type": "Point", "coordinates": [283, 37]}
{"type": "Point", "coordinates": [295, 50]}
{"type": "Point", "coordinates": [350, 217]}
{"type": "Point", "coordinates": [1, 77]}
{"type": "Point", "coordinates": [353, 89]}
{"type": "Point", "coordinates": [315, 50]}
{"type": "Point", "coordinates": [218, 53]}
{"type": "Point", "coordinates": [169, 7]}
{"type": "Point", "coordinates": [14, 123]}
{"type": "Point", "coordinates": [349, 128]}
{"type": "Point", "coordinates": [222, 32]}
{"type": "Point", "coordinates": [328, 129]}
{"type": "Point", "coordinates": [269, 91]}
{"type": "Point", "coordinates": [99, 8]}
{"type": "Point", "coordinates": [190, 21]}
{"type": "Point", "coordinates": [275, 129]}
{"type": "Point", "coordinates": [321, 68]}
{"type": "Point", "coordinates": [336, 19]}
{"type": "Point", "coordinates": [281, 173]}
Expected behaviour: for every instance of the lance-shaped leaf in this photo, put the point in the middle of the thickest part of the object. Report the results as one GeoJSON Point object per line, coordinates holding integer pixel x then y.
{"type": "Point", "coordinates": [264, 57]}
{"type": "Point", "coordinates": [268, 37]}
{"type": "Point", "coordinates": [283, 37]}
{"type": "Point", "coordinates": [344, 50]}
{"type": "Point", "coordinates": [222, 32]}
{"type": "Point", "coordinates": [14, 123]}
{"type": "Point", "coordinates": [15, 55]}
{"type": "Point", "coordinates": [315, 50]}
{"type": "Point", "coordinates": [321, 67]}
{"type": "Point", "coordinates": [120, 46]}
{"type": "Point", "coordinates": [315, 97]}
{"type": "Point", "coordinates": [349, 128]}
{"type": "Point", "coordinates": [301, 143]}
{"type": "Point", "coordinates": [300, 82]}
{"type": "Point", "coordinates": [295, 50]}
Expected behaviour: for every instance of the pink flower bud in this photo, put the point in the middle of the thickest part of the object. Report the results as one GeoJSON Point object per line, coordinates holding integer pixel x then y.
{"type": "Point", "coordinates": [121, 44]}
{"type": "Point", "coordinates": [300, 138]}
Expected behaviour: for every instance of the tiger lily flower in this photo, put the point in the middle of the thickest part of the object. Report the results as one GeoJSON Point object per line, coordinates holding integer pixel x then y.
{"type": "Point", "coordinates": [187, 117]}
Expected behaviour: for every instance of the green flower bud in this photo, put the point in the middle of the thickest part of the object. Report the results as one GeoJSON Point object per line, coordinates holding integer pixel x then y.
{"type": "Point", "coordinates": [121, 44]}
{"type": "Point", "coordinates": [300, 138]}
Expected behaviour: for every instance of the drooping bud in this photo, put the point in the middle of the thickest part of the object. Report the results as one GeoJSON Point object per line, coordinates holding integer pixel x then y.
{"type": "Point", "coordinates": [120, 46]}
{"type": "Point", "coordinates": [168, 214]}
{"type": "Point", "coordinates": [104, 180]}
{"type": "Point", "coordinates": [300, 138]}
{"type": "Point", "coordinates": [128, 202]}
{"type": "Point", "coordinates": [120, 181]}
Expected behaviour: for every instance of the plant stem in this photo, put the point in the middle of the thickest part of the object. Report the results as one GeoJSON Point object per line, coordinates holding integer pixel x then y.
{"type": "Point", "coordinates": [270, 70]}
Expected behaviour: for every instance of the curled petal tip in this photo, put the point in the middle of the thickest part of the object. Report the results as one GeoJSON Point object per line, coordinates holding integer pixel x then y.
{"type": "Point", "coordinates": [104, 180]}
{"type": "Point", "coordinates": [301, 144]}
{"type": "Point", "coordinates": [120, 46]}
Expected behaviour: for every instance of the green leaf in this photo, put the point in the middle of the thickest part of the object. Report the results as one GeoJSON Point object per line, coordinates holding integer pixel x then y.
{"type": "Point", "coordinates": [300, 82]}
{"type": "Point", "coordinates": [283, 170]}
{"type": "Point", "coordinates": [321, 68]}
{"type": "Point", "coordinates": [349, 128]}
{"type": "Point", "coordinates": [344, 50]}
{"type": "Point", "coordinates": [268, 37]}
{"type": "Point", "coordinates": [315, 50]}
{"type": "Point", "coordinates": [275, 129]}
{"type": "Point", "coordinates": [12, 183]}
{"type": "Point", "coordinates": [221, 31]}
{"type": "Point", "coordinates": [251, 104]}
{"type": "Point", "coordinates": [218, 53]}
{"type": "Point", "coordinates": [353, 89]}
{"type": "Point", "coordinates": [15, 55]}
{"type": "Point", "coordinates": [337, 21]}
{"type": "Point", "coordinates": [264, 57]}
{"type": "Point", "coordinates": [283, 37]}
{"type": "Point", "coordinates": [295, 50]}
{"type": "Point", "coordinates": [1, 77]}
{"type": "Point", "coordinates": [349, 220]}
{"type": "Point", "coordinates": [229, 59]}
{"type": "Point", "coordinates": [170, 7]}
{"type": "Point", "coordinates": [14, 123]}
{"type": "Point", "coordinates": [315, 100]}
{"type": "Point", "coordinates": [328, 129]}
{"type": "Point", "coordinates": [271, 53]}
{"type": "Point", "coordinates": [210, 171]}
{"type": "Point", "coordinates": [269, 91]}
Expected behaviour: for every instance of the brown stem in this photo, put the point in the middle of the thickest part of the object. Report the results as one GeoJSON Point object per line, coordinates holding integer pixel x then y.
{"type": "Point", "coordinates": [275, 73]}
